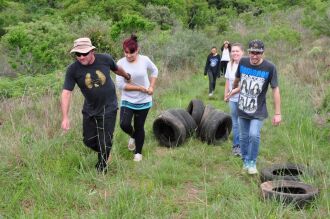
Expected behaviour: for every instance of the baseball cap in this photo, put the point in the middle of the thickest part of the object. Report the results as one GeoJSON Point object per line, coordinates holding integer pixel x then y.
{"type": "Point", "coordinates": [82, 45]}
{"type": "Point", "coordinates": [256, 46]}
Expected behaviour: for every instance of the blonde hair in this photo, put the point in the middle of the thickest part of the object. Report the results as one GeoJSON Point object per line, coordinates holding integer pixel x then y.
{"type": "Point", "coordinates": [239, 45]}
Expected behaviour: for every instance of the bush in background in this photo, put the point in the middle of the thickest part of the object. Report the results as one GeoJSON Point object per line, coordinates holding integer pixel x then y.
{"type": "Point", "coordinates": [283, 33]}
{"type": "Point", "coordinates": [31, 85]}
{"type": "Point", "coordinates": [161, 15]}
{"type": "Point", "coordinates": [177, 49]}
{"type": "Point", "coordinates": [130, 24]}
{"type": "Point", "coordinates": [38, 47]}
{"type": "Point", "coordinates": [317, 16]}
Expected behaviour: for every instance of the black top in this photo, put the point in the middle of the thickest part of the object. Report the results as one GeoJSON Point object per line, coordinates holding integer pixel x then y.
{"type": "Point", "coordinates": [254, 82]}
{"type": "Point", "coordinates": [212, 64]}
{"type": "Point", "coordinates": [95, 84]}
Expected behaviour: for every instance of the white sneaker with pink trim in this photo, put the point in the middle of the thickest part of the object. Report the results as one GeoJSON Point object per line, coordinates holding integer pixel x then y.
{"type": "Point", "coordinates": [137, 157]}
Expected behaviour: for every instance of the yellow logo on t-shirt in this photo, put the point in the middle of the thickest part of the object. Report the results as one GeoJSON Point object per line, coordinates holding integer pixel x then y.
{"type": "Point", "coordinates": [88, 81]}
{"type": "Point", "coordinates": [100, 80]}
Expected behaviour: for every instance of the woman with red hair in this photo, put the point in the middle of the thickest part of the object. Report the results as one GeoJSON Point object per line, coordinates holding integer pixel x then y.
{"type": "Point", "coordinates": [136, 94]}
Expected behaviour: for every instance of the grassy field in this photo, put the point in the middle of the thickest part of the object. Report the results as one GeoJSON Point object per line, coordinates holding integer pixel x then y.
{"type": "Point", "coordinates": [46, 174]}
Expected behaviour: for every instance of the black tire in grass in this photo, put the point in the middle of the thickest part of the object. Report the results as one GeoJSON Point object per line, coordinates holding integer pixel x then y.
{"type": "Point", "coordinates": [282, 172]}
{"type": "Point", "coordinates": [186, 119]}
{"type": "Point", "coordinates": [289, 192]}
{"type": "Point", "coordinates": [201, 130]}
{"type": "Point", "coordinates": [168, 130]}
{"type": "Point", "coordinates": [196, 110]}
{"type": "Point", "coordinates": [219, 127]}
{"type": "Point", "coordinates": [180, 118]}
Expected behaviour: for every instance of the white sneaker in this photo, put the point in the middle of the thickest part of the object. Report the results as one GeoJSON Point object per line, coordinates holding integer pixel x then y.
{"type": "Point", "coordinates": [252, 168]}
{"type": "Point", "coordinates": [245, 165]}
{"type": "Point", "coordinates": [131, 144]}
{"type": "Point", "coordinates": [210, 94]}
{"type": "Point", "coordinates": [137, 157]}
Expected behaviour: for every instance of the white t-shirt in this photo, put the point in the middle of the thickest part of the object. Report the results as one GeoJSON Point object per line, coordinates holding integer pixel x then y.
{"type": "Point", "coordinates": [230, 75]}
{"type": "Point", "coordinates": [139, 76]}
{"type": "Point", "coordinates": [225, 55]}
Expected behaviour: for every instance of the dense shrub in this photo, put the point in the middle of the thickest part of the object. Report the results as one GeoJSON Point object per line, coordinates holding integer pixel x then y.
{"type": "Point", "coordinates": [3, 4]}
{"type": "Point", "coordinates": [317, 16]}
{"type": "Point", "coordinates": [199, 14]}
{"type": "Point", "coordinates": [5, 68]}
{"type": "Point", "coordinates": [178, 49]}
{"type": "Point", "coordinates": [95, 28]}
{"type": "Point", "coordinates": [176, 6]}
{"type": "Point", "coordinates": [283, 34]}
{"type": "Point", "coordinates": [2, 20]}
{"type": "Point", "coordinates": [11, 14]}
{"type": "Point", "coordinates": [160, 14]}
{"type": "Point", "coordinates": [326, 101]}
{"type": "Point", "coordinates": [117, 9]}
{"type": "Point", "coordinates": [130, 24]}
{"type": "Point", "coordinates": [30, 85]}
{"type": "Point", "coordinates": [38, 47]}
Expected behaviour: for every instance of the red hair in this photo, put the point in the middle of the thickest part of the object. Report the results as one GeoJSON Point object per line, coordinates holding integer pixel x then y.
{"type": "Point", "coordinates": [131, 44]}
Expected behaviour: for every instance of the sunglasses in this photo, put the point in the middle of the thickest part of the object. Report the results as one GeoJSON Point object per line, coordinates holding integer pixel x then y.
{"type": "Point", "coordinates": [78, 54]}
{"type": "Point", "coordinates": [255, 53]}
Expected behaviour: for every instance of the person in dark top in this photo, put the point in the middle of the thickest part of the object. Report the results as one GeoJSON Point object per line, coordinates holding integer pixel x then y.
{"type": "Point", "coordinates": [212, 69]}
{"type": "Point", "coordinates": [91, 72]}
{"type": "Point", "coordinates": [257, 74]}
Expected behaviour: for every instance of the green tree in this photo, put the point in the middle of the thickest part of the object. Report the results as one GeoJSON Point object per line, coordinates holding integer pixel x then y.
{"type": "Point", "coordinates": [130, 24]}
{"type": "Point", "coordinates": [160, 14]}
{"type": "Point", "coordinates": [38, 47]}
{"type": "Point", "coordinates": [117, 9]}
{"type": "Point", "coordinates": [199, 14]}
{"type": "Point", "coordinates": [317, 16]}
{"type": "Point", "coordinates": [3, 4]}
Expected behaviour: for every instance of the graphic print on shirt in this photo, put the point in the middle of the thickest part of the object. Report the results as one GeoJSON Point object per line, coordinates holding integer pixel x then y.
{"type": "Point", "coordinates": [99, 80]}
{"type": "Point", "coordinates": [251, 84]}
{"type": "Point", "coordinates": [213, 62]}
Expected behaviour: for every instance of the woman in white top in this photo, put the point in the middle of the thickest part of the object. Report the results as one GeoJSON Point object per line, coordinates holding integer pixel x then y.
{"type": "Point", "coordinates": [231, 95]}
{"type": "Point", "coordinates": [136, 94]}
{"type": "Point", "coordinates": [225, 56]}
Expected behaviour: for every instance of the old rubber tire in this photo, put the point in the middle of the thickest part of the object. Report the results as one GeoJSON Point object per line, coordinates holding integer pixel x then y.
{"type": "Point", "coordinates": [186, 119]}
{"type": "Point", "coordinates": [168, 130]}
{"type": "Point", "coordinates": [196, 110]}
{"type": "Point", "coordinates": [289, 192]}
{"type": "Point", "coordinates": [201, 130]}
{"type": "Point", "coordinates": [282, 172]}
{"type": "Point", "coordinates": [191, 124]}
{"type": "Point", "coordinates": [218, 127]}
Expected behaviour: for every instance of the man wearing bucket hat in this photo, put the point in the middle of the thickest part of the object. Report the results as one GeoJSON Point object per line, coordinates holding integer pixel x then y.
{"type": "Point", "coordinates": [255, 71]}
{"type": "Point", "coordinates": [91, 72]}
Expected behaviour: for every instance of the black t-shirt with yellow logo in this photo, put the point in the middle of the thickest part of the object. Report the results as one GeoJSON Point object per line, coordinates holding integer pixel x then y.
{"type": "Point", "coordinates": [95, 84]}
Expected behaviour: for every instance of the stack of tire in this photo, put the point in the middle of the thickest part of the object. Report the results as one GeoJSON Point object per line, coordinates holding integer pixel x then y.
{"type": "Point", "coordinates": [173, 126]}
{"type": "Point", "coordinates": [282, 182]}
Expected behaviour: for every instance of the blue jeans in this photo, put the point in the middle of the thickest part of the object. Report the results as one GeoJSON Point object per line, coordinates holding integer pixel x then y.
{"type": "Point", "coordinates": [249, 138]}
{"type": "Point", "coordinates": [234, 118]}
